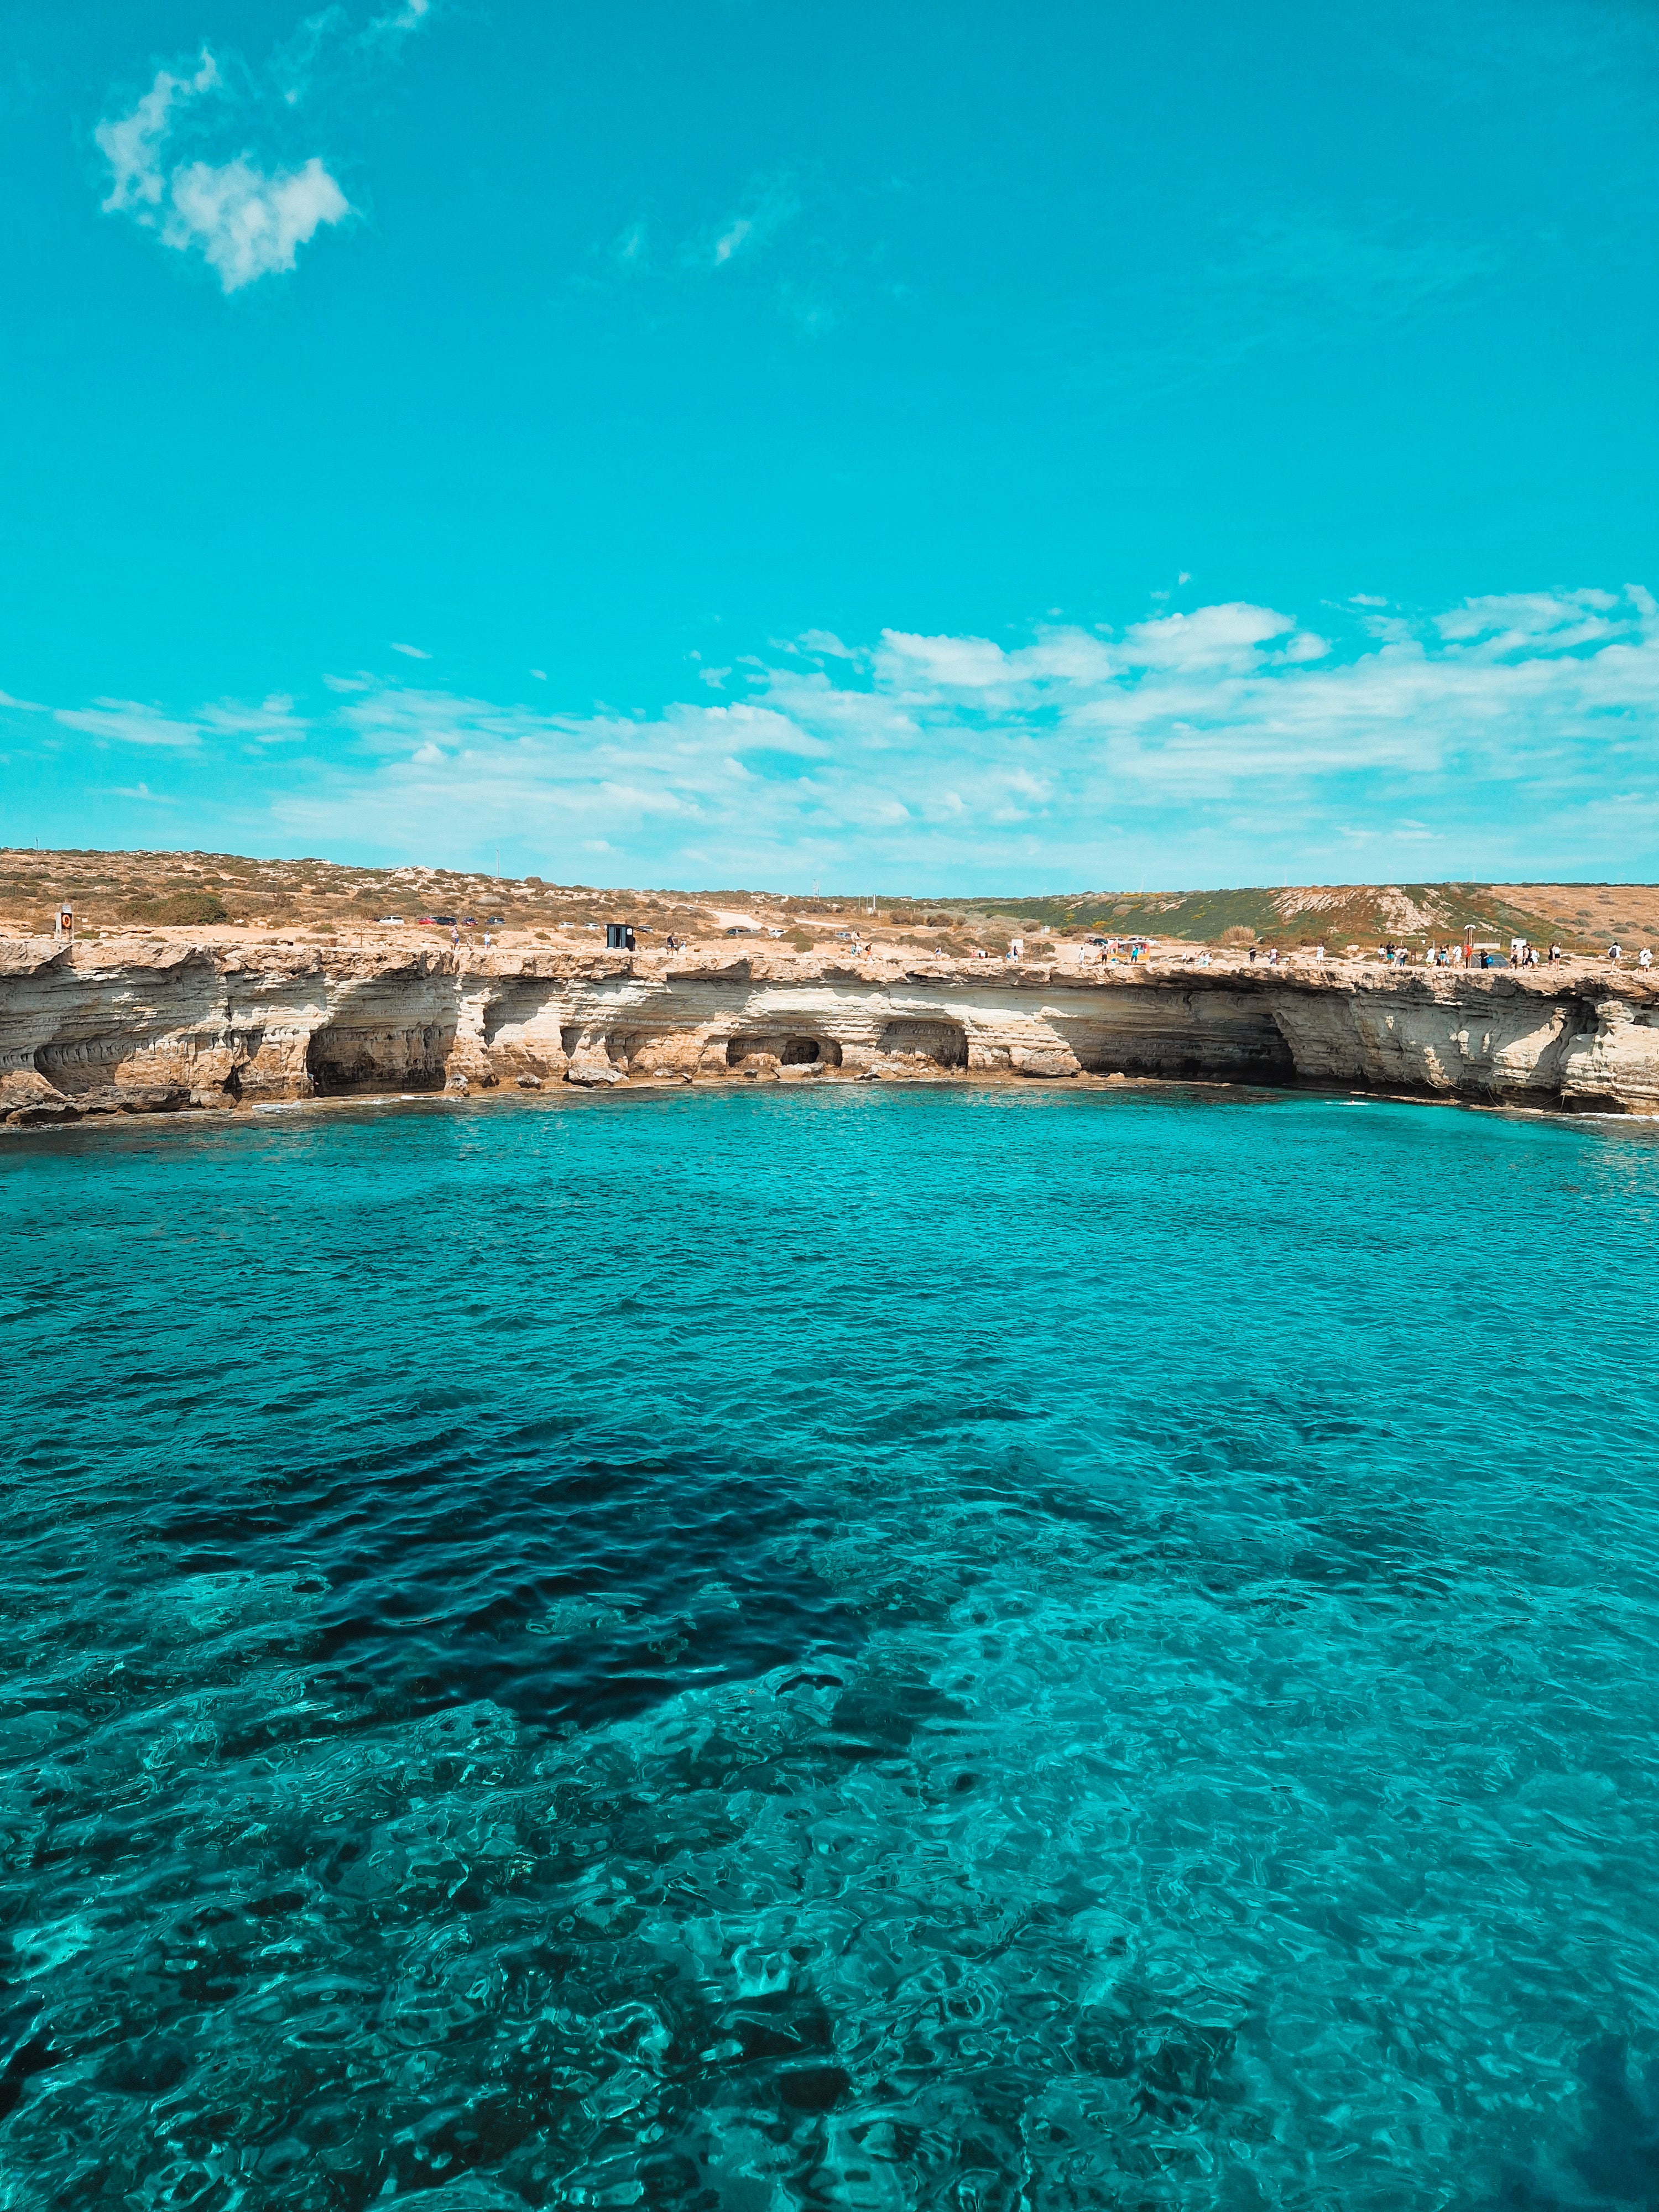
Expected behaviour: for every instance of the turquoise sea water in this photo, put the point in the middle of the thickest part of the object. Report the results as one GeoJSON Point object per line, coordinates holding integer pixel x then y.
{"type": "Point", "coordinates": [962, 1647]}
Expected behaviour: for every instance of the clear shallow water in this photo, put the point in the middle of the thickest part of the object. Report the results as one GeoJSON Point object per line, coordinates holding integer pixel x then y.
{"type": "Point", "coordinates": [965, 1647]}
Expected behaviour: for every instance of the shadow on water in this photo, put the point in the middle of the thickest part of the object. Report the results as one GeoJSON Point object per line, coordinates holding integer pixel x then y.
{"type": "Point", "coordinates": [574, 1589]}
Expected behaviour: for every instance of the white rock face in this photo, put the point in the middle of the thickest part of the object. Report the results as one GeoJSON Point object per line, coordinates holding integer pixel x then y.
{"type": "Point", "coordinates": [139, 1025]}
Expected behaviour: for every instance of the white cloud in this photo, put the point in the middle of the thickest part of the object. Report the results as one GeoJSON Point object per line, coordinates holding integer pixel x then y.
{"type": "Point", "coordinates": [1059, 657]}
{"type": "Point", "coordinates": [273, 722]}
{"type": "Point", "coordinates": [247, 224]}
{"type": "Point", "coordinates": [414, 652]}
{"type": "Point", "coordinates": [960, 664]}
{"type": "Point", "coordinates": [326, 38]}
{"type": "Point", "coordinates": [126, 722]}
{"type": "Point", "coordinates": [409, 17]}
{"type": "Point", "coordinates": [771, 203]}
{"type": "Point", "coordinates": [1511, 621]}
{"type": "Point", "coordinates": [1212, 638]}
{"type": "Point", "coordinates": [131, 722]}
{"type": "Point", "coordinates": [246, 221]}
{"type": "Point", "coordinates": [132, 144]}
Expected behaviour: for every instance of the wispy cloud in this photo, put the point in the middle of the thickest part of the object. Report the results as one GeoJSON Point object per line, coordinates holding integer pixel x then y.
{"type": "Point", "coordinates": [132, 144]}
{"type": "Point", "coordinates": [126, 722]}
{"type": "Point", "coordinates": [770, 203]}
{"type": "Point", "coordinates": [272, 722]}
{"type": "Point", "coordinates": [398, 22]}
{"type": "Point", "coordinates": [1358, 274]}
{"type": "Point", "coordinates": [131, 722]}
{"type": "Point", "coordinates": [1286, 283]}
{"type": "Point", "coordinates": [1510, 622]}
{"type": "Point", "coordinates": [1511, 734]}
{"type": "Point", "coordinates": [414, 652]}
{"type": "Point", "coordinates": [332, 40]}
{"type": "Point", "coordinates": [632, 250]}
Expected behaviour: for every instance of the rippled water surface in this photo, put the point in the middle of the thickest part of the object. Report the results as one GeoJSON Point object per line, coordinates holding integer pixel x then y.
{"type": "Point", "coordinates": [964, 1648]}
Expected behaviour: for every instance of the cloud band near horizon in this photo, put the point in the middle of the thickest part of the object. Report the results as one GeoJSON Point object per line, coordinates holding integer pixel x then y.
{"type": "Point", "coordinates": [1510, 735]}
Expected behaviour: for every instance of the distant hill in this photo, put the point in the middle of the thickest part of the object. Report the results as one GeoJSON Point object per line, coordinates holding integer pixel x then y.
{"type": "Point", "coordinates": [1345, 914]}
{"type": "Point", "coordinates": [219, 891]}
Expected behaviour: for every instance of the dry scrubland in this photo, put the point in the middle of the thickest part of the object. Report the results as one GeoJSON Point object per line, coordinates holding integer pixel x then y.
{"type": "Point", "coordinates": [218, 895]}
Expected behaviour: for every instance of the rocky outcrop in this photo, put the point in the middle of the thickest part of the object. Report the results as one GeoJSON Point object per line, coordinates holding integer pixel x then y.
{"type": "Point", "coordinates": [138, 1025]}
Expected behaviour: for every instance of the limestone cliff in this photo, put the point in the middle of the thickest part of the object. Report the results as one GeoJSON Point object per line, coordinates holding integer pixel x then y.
{"type": "Point", "coordinates": [140, 1024]}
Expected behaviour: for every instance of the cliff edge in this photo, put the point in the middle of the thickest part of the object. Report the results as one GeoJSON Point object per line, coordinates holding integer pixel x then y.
{"type": "Point", "coordinates": [143, 1023]}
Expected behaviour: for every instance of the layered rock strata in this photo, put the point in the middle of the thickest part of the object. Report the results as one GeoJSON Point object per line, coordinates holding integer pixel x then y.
{"type": "Point", "coordinates": [141, 1024]}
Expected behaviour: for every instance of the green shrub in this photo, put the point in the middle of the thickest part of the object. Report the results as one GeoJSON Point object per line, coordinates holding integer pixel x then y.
{"type": "Point", "coordinates": [178, 907]}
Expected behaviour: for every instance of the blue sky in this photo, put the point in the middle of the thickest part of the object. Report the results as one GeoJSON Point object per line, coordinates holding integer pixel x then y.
{"type": "Point", "coordinates": [948, 447]}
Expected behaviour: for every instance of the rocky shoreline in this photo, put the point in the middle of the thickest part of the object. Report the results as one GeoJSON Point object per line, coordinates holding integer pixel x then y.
{"type": "Point", "coordinates": [145, 1024]}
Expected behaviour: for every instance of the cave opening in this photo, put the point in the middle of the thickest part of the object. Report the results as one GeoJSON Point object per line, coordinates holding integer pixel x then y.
{"type": "Point", "coordinates": [944, 1043]}
{"type": "Point", "coordinates": [340, 1059]}
{"type": "Point", "coordinates": [794, 1051]}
